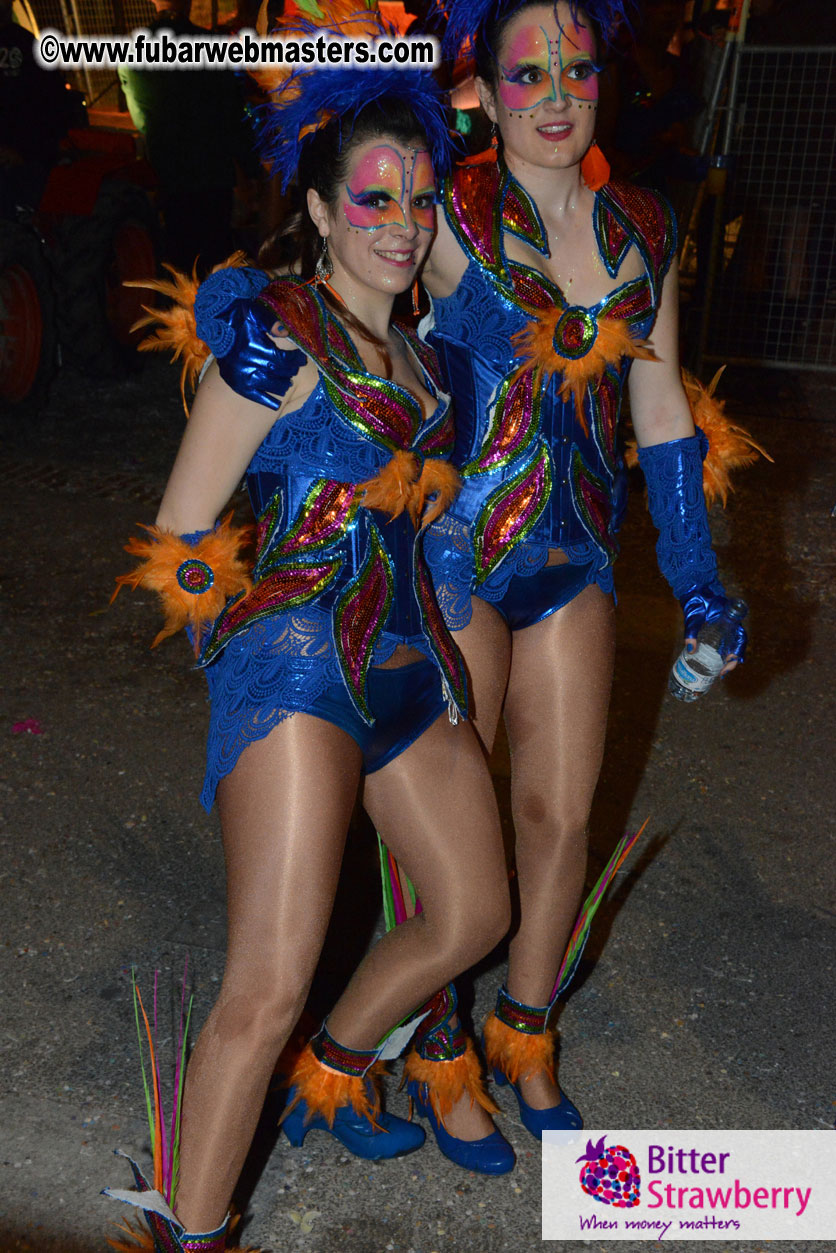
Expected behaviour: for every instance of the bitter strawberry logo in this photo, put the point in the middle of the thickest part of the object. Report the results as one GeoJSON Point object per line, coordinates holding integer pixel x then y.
{"type": "Point", "coordinates": [610, 1175]}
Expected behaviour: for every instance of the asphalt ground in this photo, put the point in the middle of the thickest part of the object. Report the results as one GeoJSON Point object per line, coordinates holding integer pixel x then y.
{"type": "Point", "coordinates": [706, 995]}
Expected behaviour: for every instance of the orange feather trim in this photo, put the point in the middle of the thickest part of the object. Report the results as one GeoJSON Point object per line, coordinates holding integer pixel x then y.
{"type": "Point", "coordinates": [729, 446]}
{"type": "Point", "coordinates": [143, 1242]}
{"type": "Point", "coordinates": [515, 1053]}
{"type": "Point", "coordinates": [446, 1082]}
{"type": "Point", "coordinates": [164, 555]}
{"type": "Point", "coordinates": [440, 479]}
{"type": "Point", "coordinates": [488, 156]}
{"type": "Point", "coordinates": [324, 1090]}
{"type": "Point", "coordinates": [175, 330]}
{"type": "Point", "coordinates": [399, 487]}
{"type": "Point", "coordinates": [536, 344]}
{"type": "Point", "coordinates": [393, 487]}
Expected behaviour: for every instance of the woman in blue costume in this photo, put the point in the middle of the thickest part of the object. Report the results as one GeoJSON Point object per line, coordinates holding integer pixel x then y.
{"type": "Point", "coordinates": [334, 660]}
{"type": "Point", "coordinates": [546, 290]}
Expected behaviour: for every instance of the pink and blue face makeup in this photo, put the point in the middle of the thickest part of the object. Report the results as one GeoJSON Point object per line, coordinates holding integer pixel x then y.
{"type": "Point", "coordinates": [384, 183]}
{"type": "Point", "coordinates": [536, 67]}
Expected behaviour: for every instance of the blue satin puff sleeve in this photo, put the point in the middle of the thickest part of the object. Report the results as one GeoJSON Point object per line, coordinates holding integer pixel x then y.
{"type": "Point", "coordinates": [237, 328]}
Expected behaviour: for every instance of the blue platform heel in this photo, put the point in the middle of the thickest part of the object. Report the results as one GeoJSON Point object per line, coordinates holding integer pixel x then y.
{"type": "Point", "coordinates": [519, 1043]}
{"type": "Point", "coordinates": [334, 1089]}
{"type": "Point", "coordinates": [438, 1071]}
{"type": "Point", "coordinates": [492, 1155]}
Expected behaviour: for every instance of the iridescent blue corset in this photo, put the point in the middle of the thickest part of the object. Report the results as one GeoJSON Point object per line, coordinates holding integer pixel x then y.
{"type": "Point", "coordinates": [471, 332]}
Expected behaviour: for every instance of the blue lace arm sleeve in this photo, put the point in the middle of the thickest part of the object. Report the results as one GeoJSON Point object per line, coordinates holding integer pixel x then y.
{"type": "Point", "coordinates": [237, 330]}
{"type": "Point", "coordinates": [673, 473]}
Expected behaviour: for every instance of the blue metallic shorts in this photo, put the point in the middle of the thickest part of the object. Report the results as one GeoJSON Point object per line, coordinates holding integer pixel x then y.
{"type": "Point", "coordinates": [405, 701]}
{"type": "Point", "coordinates": [531, 598]}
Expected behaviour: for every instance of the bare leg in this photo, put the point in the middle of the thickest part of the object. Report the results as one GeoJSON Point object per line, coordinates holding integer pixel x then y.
{"type": "Point", "coordinates": [285, 810]}
{"type": "Point", "coordinates": [555, 714]}
{"type": "Point", "coordinates": [486, 646]}
{"type": "Point", "coordinates": [436, 804]}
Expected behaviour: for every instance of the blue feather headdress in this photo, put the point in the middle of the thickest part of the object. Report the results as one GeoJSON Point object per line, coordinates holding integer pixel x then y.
{"type": "Point", "coordinates": [308, 98]}
{"type": "Point", "coordinates": [469, 20]}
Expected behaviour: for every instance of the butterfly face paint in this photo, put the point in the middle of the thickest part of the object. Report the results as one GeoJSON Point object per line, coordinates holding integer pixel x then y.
{"type": "Point", "coordinates": [385, 183]}
{"type": "Point", "coordinates": [548, 61]}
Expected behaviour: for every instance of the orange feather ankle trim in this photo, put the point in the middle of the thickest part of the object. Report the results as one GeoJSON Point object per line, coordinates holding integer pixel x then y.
{"type": "Point", "coordinates": [401, 486]}
{"type": "Point", "coordinates": [193, 581]}
{"type": "Point", "coordinates": [516, 1053]}
{"type": "Point", "coordinates": [324, 1090]}
{"type": "Point", "coordinates": [141, 1240]}
{"type": "Point", "coordinates": [447, 1081]}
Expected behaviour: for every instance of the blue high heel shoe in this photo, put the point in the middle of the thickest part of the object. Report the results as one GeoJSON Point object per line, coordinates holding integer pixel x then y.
{"type": "Point", "coordinates": [492, 1155]}
{"type": "Point", "coordinates": [561, 1117]}
{"type": "Point", "coordinates": [391, 1137]}
{"type": "Point", "coordinates": [517, 1036]}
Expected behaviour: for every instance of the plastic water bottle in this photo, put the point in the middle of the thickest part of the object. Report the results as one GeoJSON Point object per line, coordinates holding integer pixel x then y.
{"type": "Point", "coordinates": [693, 673]}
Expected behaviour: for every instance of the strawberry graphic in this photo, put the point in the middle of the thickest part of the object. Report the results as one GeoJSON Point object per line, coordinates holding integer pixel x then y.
{"type": "Point", "coordinates": [610, 1175]}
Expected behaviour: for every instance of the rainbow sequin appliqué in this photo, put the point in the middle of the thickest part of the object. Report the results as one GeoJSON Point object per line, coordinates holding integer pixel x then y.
{"type": "Point", "coordinates": [378, 409]}
{"type": "Point", "coordinates": [441, 641]}
{"type": "Point", "coordinates": [359, 615]}
{"type": "Point", "coordinates": [509, 514]}
{"type": "Point", "coordinates": [287, 571]}
{"type": "Point", "coordinates": [592, 500]}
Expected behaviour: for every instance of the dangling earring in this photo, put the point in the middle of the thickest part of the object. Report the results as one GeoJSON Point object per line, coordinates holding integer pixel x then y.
{"type": "Point", "coordinates": [416, 298]}
{"type": "Point", "coordinates": [324, 266]}
{"type": "Point", "coordinates": [595, 168]}
{"type": "Point", "coordinates": [494, 136]}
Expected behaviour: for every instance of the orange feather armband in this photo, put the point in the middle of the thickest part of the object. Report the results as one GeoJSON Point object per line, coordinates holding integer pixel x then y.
{"type": "Point", "coordinates": [404, 484]}
{"type": "Point", "coordinates": [193, 581]}
{"type": "Point", "coordinates": [729, 446]}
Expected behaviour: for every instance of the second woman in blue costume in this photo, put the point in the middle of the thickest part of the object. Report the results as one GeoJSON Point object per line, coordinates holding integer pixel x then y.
{"type": "Point", "coordinates": [336, 660]}
{"type": "Point", "coordinates": [547, 293]}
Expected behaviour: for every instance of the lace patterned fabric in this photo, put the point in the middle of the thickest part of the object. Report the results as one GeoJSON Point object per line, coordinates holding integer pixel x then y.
{"type": "Point", "coordinates": [448, 547]}
{"type": "Point", "coordinates": [673, 472]}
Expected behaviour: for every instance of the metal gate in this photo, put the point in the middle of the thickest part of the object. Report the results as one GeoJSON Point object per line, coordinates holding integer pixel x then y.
{"type": "Point", "coordinates": [111, 17]}
{"type": "Point", "coordinates": [774, 294]}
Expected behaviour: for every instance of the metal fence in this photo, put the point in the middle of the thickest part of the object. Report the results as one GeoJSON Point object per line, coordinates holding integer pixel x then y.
{"type": "Point", "coordinates": [105, 17]}
{"type": "Point", "coordinates": [774, 301]}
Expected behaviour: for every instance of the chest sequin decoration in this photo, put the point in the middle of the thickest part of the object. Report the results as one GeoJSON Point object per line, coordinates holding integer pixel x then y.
{"type": "Point", "coordinates": [301, 557]}
{"type": "Point", "coordinates": [582, 347]}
